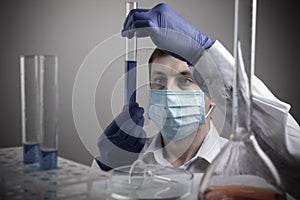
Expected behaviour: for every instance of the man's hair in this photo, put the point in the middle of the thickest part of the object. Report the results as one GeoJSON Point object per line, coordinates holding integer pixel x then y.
{"type": "Point", "coordinates": [157, 53]}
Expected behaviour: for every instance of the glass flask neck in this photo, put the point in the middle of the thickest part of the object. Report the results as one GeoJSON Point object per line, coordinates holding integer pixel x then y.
{"type": "Point", "coordinates": [240, 134]}
{"type": "Point", "coordinates": [241, 97]}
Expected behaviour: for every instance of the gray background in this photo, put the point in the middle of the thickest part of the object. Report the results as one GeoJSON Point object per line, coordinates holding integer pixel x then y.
{"type": "Point", "coordinates": [72, 28]}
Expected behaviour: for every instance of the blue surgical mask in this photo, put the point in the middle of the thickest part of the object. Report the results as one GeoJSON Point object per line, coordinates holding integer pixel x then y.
{"type": "Point", "coordinates": [177, 113]}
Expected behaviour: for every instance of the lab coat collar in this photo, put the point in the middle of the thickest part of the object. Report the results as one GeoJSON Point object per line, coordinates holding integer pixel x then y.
{"type": "Point", "coordinates": [208, 150]}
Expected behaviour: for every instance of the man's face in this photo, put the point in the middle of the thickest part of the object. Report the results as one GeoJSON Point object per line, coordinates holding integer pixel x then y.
{"type": "Point", "coordinates": [170, 73]}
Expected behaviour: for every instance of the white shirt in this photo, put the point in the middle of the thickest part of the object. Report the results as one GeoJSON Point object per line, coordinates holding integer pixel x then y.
{"type": "Point", "coordinates": [209, 149]}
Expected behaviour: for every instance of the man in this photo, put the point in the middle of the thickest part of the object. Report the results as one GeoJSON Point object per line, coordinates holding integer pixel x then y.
{"type": "Point", "coordinates": [193, 148]}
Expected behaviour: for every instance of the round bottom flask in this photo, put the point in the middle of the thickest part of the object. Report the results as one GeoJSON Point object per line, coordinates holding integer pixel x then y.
{"type": "Point", "coordinates": [242, 171]}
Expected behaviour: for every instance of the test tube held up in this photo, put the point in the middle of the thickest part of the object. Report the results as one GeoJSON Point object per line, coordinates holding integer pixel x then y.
{"type": "Point", "coordinates": [31, 107]}
{"type": "Point", "coordinates": [49, 140]}
{"type": "Point", "coordinates": [130, 62]}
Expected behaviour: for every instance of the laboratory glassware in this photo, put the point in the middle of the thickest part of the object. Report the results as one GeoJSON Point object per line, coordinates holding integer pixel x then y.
{"type": "Point", "coordinates": [147, 181]}
{"type": "Point", "coordinates": [31, 107]}
{"type": "Point", "coordinates": [130, 62]}
{"type": "Point", "coordinates": [242, 170]}
{"type": "Point", "coordinates": [49, 140]}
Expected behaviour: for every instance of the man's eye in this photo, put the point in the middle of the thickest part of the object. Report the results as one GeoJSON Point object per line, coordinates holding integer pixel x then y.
{"type": "Point", "coordinates": [185, 80]}
{"type": "Point", "coordinates": [159, 81]}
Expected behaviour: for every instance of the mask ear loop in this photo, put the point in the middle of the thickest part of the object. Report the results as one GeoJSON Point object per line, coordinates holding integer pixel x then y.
{"type": "Point", "coordinates": [212, 106]}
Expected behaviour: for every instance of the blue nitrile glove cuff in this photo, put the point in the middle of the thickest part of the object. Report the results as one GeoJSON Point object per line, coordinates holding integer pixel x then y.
{"type": "Point", "coordinates": [124, 138]}
{"type": "Point", "coordinates": [102, 165]}
{"type": "Point", "coordinates": [127, 129]}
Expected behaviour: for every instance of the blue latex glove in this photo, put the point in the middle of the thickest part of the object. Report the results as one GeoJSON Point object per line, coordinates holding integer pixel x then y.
{"type": "Point", "coordinates": [124, 138]}
{"type": "Point", "coordinates": [168, 31]}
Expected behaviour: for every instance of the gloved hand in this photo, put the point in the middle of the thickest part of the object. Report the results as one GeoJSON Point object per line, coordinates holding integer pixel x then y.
{"type": "Point", "coordinates": [123, 140]}
{"type": "Point", "coordinates": [168, 31]}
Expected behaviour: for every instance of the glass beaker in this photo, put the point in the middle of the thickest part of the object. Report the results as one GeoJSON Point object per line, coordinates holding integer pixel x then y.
{"type": "Point", "coordinates": [49, 140]}
{"type": "Point", "coordinates": [31, 107]}
{"type": "Point", "coordinates": [242, 170]}
{"type": "Point", "coordinates": [150, 182]}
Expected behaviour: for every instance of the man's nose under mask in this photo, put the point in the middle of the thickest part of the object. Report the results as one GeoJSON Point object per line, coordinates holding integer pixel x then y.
{"type": "Point", "coordinates": [177, 113]}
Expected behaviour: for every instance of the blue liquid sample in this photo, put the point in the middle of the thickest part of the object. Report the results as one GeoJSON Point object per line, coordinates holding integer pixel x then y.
{"type": "Point", "coordinates": [130, 90]}
{"type": "Point", "coordinates": [48, 159]}
{"type": "Point", "coordinates": [31, 152]}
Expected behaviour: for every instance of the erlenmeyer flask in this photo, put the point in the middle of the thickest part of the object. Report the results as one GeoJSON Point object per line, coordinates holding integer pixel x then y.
{"type": "Point", "coordinates": [242, 170]}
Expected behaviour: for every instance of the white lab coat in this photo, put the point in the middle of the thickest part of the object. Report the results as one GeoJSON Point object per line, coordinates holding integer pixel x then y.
{"type": "Point", "coordinates": [276, 130]}
{"type": "Point", "coordinates": [271, 119]}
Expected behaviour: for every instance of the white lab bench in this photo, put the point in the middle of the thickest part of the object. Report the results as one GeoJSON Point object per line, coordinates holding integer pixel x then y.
{"type": "Point", "coordinates": [70, 180]}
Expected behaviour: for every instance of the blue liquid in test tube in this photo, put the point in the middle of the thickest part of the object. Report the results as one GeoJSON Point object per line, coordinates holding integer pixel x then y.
{"type": "Point", "coordinates": [131, 81]}
{"type": "Point", "coordinates": [31, 152]}
{"type": "Point", "coordinates": [48, 159]}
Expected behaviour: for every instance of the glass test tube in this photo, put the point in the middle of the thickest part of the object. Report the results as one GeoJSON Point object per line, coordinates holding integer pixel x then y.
{"type": "Point", "coordinates": [31, 107]}
{"type": "Point", "coordinates": [130, 62]}
{"type": "Point", "coordinates": [49, 141]}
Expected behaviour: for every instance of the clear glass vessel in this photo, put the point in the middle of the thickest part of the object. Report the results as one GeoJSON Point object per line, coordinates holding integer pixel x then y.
{"type": "Point", "coordinates": [242, 170]}
{"type": "Point", "coordinates": [31, 107]}
{"type": "Point", "coordinates": [150, 182]}
{"type": "Point", "coordinates": [130, 62]}
{"type": "Point", "coordinates": [49, 140]}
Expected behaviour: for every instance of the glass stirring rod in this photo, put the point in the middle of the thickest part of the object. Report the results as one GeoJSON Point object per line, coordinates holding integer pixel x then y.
{"type": "Point", "coordinates": [130, 62]}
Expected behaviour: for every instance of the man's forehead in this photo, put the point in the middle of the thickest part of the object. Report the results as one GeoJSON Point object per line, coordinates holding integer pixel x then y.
{"type": "Point", "coordinates": [158, 68]}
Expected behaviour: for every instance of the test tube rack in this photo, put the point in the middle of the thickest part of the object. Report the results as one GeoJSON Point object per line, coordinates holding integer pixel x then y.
{"type": "Point", "coordinates": [70, 180]}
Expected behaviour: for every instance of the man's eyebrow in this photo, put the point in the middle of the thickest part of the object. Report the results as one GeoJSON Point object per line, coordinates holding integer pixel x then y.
{"type": "Point", "coordinates": [158, 73]}
{"type": "Point", "coordinates": [186, 72]}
